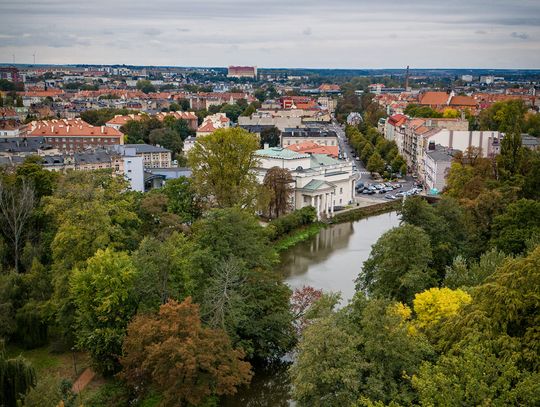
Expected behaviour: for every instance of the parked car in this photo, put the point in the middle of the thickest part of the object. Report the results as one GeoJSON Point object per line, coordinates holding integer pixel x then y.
{"type": "Point", "coordinates": [388, 196]}
{"type": "Point", "coordinates": [400, 194]}
{"type": "Point", "coordinates": [368, 191]}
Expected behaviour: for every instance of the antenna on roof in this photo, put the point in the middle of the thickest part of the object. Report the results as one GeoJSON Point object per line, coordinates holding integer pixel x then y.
{"type": "Point", "coordinates": [34, 55]}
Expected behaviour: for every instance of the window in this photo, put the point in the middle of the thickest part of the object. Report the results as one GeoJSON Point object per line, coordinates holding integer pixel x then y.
{"type": "Point", "coordinates": [340, 190]}
{"type": "Point", "coordinates": [129, 170]}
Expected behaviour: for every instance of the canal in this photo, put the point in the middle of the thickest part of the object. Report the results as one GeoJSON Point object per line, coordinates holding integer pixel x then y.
{"type": "Point", "coordinates": [331, 261]}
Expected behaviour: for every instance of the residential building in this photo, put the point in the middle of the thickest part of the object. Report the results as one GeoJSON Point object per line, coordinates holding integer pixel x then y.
{"type": "Point", "coordinates": [437, 162]}
{"type": "Point", "coordinates": [153, 156]}
{"type": "Point", "coordinates": [322, 137]}
{"type": "Point", "coordinates": [73, 134]}
{"type": "Point", "coordinates": [242, 72]}
{"type": "Point", "coordinates": [319, 180]}
{"type": "Point", "coordinates": [119, 120]}
{"type": "Point", "coordinates": [212, 123]}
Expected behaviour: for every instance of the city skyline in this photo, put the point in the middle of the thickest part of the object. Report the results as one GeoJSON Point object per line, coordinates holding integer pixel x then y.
{"type": "Point", "coordinates": [341, 34]}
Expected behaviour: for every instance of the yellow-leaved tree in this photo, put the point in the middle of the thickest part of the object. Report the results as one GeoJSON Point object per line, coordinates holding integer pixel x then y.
{"type": "Point", "coordinates": [433, 305]}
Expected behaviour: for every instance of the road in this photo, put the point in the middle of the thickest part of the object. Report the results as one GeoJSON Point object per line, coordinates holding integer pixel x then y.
{"type": "Point", "coordinates": [362, 173]}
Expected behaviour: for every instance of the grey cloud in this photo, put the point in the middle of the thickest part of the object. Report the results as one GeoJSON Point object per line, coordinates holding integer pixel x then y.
{"type": "Point", "coordinates": [520, 36]}
{"type": "Point", "coordinates": [345, 30]}
{"type": "Point", "coordinates": [152, 32]}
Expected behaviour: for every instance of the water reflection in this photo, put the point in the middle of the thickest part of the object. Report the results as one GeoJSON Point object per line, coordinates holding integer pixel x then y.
{"type": "Point", "coordinates": [332, 259]}
{"type": "Point", "coordinates": [270, 387]}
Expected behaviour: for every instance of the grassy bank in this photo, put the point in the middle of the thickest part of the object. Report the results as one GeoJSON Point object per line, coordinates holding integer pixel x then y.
{"type": "Point", "coordinates": [298, 236]}
{"type": "Point", "coordinates": [365, 211]}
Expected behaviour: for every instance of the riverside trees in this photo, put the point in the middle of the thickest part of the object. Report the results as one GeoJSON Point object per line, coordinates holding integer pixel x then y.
{"type": "Point", "coordinates": [95, 255]}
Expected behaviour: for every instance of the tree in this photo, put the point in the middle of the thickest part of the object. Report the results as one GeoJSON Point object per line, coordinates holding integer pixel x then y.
{"type": "Point", "coordinates": [325, 370]}
{"type": "Point", "coordinates": [270, 136]}
{"type": "Point", "coordinates": [301, 301]}
{"type": "Point", "coordinates": [16, 206]}
{"type": "Point", "coordinates": [398, 266]}
{"type": "Point", "coordinates": [167, 138]}
{"type": "Point", "coordinates": [17, 377]}
{"type": "Point", "coordinates": [155, 217]}
{"type": "Point", "coordinates": [103, 293]}
{"type": "Point", "coordinates": [233, 110]}
{"type": "Point", "coordinates": [172, 353]}
{"type": "Point", "coordinates": [437, 304]}
{"type": "Point", "coordinates": [473, 377]}
{"type": "Point", "coordinates": [145, 86]}
{"type": "Point", "coordinates": [166, 270]}
{"type": "Point", "coordinates": [183, 201]}
{"type": "Point", "coordinates": [375, 163]}
{"type": "Point", "coordinates": [366, 152]}
{"type": "Point", "coordinates": [237, 254]}
{"type": "Point", "coordinates": [279, 181]}
{"type": "Point", "coordinates": [223, 165]}
{"type": "Point", "coordinates": [460, 275]}
{"type": "Point", "coordinates": [89, 211]}
{"type": "Point", "coordinates": [519, 223]}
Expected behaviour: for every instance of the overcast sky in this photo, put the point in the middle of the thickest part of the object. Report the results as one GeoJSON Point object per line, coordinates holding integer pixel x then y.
{"type": "Point", "coordinates": [277, 33]}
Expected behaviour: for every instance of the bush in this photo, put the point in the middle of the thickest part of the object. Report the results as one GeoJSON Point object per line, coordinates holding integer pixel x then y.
{"type": "Point", "coordinates": [294, 220]}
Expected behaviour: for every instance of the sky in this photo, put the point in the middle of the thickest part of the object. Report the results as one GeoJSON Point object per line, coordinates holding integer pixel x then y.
{"type": "Point", "coordinates": [277, 33]}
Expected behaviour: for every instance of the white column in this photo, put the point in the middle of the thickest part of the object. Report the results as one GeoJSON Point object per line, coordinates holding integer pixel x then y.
{"type": "Point", "coordinates": [332, 203]}
{"type": "Point", "coordinates": [326, 205]}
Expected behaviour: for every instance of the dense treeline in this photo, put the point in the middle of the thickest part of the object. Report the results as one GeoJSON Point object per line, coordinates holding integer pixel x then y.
{"type": "Point", "coordinates": [378, 154]}
{"type": "Point", "coordinates": [87, 263]}
{"type": "Point", "coordinates": [446, 307]}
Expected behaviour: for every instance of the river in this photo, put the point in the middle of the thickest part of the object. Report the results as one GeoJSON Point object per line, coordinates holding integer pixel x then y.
{"type": "Point", "coordinates": [331, 261]}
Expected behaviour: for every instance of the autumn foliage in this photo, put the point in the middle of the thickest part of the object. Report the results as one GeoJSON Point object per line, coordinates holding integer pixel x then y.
{"type": "Point", "coordinates": [172, 353]}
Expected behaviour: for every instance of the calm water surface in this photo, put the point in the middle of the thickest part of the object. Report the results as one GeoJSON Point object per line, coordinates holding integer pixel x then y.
{"type": "Point", "coordinates": [331, 261]}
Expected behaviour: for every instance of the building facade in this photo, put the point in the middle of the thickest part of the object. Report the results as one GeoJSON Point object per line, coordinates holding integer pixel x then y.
{"type": "Point", "coordinates": [319, 180]}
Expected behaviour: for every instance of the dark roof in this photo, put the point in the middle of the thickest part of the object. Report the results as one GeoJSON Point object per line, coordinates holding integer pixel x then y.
{"type": "Point", "coordinates": [308, 133]}
{"type": "Point", "coordinates": [147, 148]}
{"type": "Point", "coordinates": [23, 144]}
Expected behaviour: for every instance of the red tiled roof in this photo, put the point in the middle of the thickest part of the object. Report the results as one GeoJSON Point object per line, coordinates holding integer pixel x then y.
{"type": "Point", "coordinates": [314, 148]}
{"type": "Point", "coordinates": [462, 101]}
{"type": "Point", "coordinates": [69, 128]}
{"type": "Point", "coordinates": [433, 98]}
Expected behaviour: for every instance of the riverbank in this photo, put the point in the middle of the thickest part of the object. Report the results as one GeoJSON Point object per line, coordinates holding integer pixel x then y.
{"type": "Point", "coordinates": [361, 212]}
{"type": "Point", "coordinates": [297, 236]}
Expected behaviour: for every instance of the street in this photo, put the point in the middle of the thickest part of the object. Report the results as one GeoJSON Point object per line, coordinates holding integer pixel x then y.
{"type": "Point", "coordinates": [362, 173]}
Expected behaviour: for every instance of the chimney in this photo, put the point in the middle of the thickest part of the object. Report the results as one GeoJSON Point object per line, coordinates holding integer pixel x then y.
{"type": "Point", "coordinates": [431, 146]}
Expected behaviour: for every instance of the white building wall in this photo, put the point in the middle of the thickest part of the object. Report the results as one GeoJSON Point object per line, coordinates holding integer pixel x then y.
{"type": "Point", "coordinates": [134, 172]}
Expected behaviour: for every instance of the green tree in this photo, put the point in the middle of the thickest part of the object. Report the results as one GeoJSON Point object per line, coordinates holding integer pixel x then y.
{"type": "Point", "coordinates": [279, 181]}
{"type": "Point", "coordinates": [174, 354]}
{"type": "Point", "coordinates": [223, 165]}
{"type": "Point", "coordinates": [398, 266]}
{"type": "Point", "coordinates": [17, 377]}
{"type": "Point", "coordinates": [167, 270]}
{"type": "Point", "coordinates": [459, 274]}
{"type": "Point", "coordinates": [325, 370]}
{"type": "Point", "coordinates": [271, 136]}
{"type": "Point", "coordinates": [145, 86]}
{"type": "Point", "coordinates": [105, 301]}
{"type": "Point", "coordinates": [519, 223]}
{"type": "Point", "coordinates": [183, 201]}
{"type": "Point", "coordinates": [167, 138]}
{"type": "Point", "coordinates": [375, 163]}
